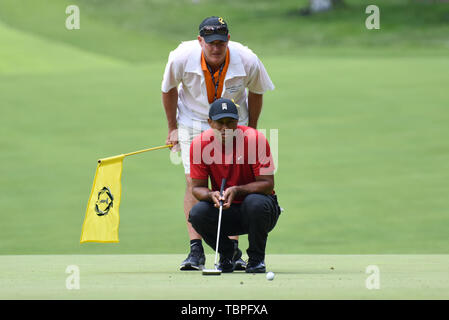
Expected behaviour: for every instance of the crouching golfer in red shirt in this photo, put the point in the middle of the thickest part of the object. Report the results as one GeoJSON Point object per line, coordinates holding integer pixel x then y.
{"type": "Point", "coordinates": [241, 155]}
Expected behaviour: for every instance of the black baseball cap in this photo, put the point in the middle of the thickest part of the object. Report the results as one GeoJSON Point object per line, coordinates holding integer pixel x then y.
{"type": "Point", "coordinates": [223, 108]}
{"type": "Point", "coordinates": [214, 28]}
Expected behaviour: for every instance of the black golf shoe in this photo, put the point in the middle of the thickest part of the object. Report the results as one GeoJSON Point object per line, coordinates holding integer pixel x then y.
{"type": "Point", "coordinates": [225, 265]}
{"type": "Point", "coordinates": [255, 266]}
{"type": "Point", "coordinates": [239, 263]}
{"type": "Point", "coordinates": [195, 261]}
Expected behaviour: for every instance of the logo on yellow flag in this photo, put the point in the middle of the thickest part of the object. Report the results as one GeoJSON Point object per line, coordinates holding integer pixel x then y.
{"type": "Point", "coordinates": [104, 202]}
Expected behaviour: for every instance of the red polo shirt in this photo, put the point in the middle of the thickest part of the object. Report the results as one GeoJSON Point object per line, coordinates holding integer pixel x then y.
{"type": "Point", "coordinates": [240, 162]}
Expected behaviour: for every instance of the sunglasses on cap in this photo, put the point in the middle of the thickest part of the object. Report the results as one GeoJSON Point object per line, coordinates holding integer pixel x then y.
{"type": "Point", "coordinates": [210, 30]}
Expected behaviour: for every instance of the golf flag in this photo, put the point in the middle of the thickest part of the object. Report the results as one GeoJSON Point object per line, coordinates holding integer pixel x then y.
{"type": "Point", "coordinates": [101, 222]}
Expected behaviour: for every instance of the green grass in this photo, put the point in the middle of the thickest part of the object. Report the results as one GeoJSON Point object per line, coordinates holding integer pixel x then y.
{"type": "Point", "coordinates": [362, 120]}
{"type": "Point", "coordinates": [155, 277]}
{"type": "Point", "coordinates": [145, 30]}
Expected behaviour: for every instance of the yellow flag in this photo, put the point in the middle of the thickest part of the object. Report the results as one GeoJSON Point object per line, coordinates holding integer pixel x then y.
{"type": "Point", "coordinates": [102, 219]}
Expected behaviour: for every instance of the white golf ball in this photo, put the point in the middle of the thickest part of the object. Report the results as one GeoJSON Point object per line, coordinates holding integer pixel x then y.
{"type": "Point", "coordinates": [270, 275]}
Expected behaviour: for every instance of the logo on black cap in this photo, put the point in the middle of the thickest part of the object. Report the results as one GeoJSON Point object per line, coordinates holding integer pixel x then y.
{"type": "Point", "coordinates": [223, 108]}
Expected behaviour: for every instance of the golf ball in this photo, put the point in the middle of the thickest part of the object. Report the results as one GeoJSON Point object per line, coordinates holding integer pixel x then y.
{"type": "Point", "coordinates": [270, 276]}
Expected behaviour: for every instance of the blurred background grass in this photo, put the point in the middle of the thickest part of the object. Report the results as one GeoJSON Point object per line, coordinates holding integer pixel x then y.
{"type": "Point", "coordinates": [362, 118]}
{"type": "Point", "coordinates": [143, 30]}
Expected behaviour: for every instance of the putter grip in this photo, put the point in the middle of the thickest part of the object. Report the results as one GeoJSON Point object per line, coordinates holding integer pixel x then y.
{"type": "Point", "coordinates": [223, 183]}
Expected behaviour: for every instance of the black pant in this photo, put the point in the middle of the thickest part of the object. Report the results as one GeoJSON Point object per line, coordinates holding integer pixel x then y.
{"type": "Point", "coordinates": [256, 216]}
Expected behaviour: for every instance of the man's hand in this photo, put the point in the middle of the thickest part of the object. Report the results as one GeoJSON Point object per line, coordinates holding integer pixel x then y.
{"type": "Point", "coordinates": [172, 138]}
{"type": "Point", "coordinates": [228, 196]}
{"type": "Point", "coordinates": [215, 197]}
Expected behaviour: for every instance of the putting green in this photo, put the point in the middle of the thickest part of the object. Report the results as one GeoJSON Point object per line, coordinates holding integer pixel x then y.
{"type": "Point", "coordinates": [157, 277]}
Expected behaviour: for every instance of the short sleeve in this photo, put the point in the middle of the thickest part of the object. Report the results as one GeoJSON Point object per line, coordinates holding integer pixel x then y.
{"type": "Point", "coordinates": [264, 165]}
{"type": "Point", "coordinates": [258, 79]}
{"type": "Point", "coordinates": [198, 170]}
{"type": "Point", "coordinates": [172, 74]}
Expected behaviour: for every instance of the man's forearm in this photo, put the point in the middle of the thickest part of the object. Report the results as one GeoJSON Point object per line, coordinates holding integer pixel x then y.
{"type": "Point", "coordinates": [255, 102]}
{"type": "Point", "coordinates": [170, 102]}
{"type": "Point", "coordinates": [201, 193]}
{"type": "Point", "coordinates": [262, 187]}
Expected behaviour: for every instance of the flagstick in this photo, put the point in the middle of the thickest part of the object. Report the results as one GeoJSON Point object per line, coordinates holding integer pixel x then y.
{"type": "Point", "coordinates": [150, 149]}
{"type": "Point", "coordinates": [136, 152]}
